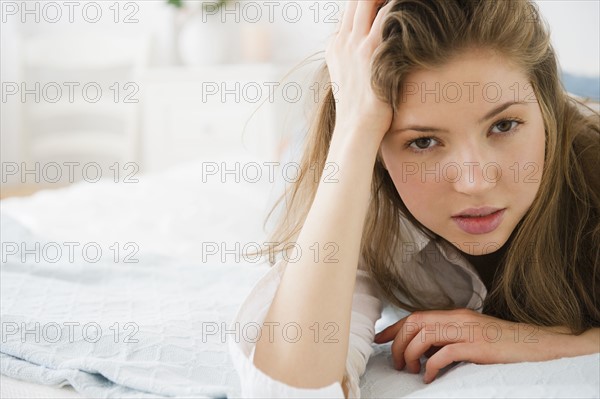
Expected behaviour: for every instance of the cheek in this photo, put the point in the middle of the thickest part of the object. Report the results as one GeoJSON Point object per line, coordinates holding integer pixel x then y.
{"type": "Point", "coordinates": [420, 195]}
{"type": "Point", "coordinates": [523, 164]}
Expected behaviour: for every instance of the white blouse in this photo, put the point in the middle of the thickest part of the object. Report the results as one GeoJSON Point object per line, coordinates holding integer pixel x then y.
{"type": "Point", "coordinates": [419, 260]}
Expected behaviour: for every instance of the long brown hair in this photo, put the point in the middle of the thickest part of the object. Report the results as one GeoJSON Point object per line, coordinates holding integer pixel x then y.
{"type": "Point", "coordinates": [553, 280]}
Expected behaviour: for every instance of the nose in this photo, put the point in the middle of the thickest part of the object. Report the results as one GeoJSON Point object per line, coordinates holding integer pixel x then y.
{"type": "Point", "coordinates": [474, 175]}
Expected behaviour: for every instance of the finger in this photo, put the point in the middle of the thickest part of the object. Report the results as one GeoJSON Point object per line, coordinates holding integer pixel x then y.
{"type": "Point", "coordinates": [348, 16]}
{"type": "Point", "coordinates": [459, 352]}
{"type": "Point", "coordinates": [389, 333]}
{"type": "Point", "coordinates": [375, 33]}
{"type": "Point", "coordinates": [429, 337]}
{"type": "Point", "coordinates": [417, 347]}
{"type": "Point", "coordinates": [364, 16]}
{"type": "Point", "coordinates": [406, 334]}
{"type": "Point", "coordinates": [431, 351]}
{"type": "Point", "coordinates": [443, 316]}
{"type": "Point", "coordinates": [404, 330]}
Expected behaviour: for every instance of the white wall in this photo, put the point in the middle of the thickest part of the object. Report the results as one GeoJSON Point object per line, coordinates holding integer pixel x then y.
{"type": "Point", "coordinates": [290, 40]}
{"type": "Point", "coordinates": [575, 30]}
{"type": "Point", "coordinates": [575, 33]}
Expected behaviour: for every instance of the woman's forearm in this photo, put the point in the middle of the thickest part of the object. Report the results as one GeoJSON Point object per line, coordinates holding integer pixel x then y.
{"type": "Point", "coordinates": [565, 344]}
{"type": "Point", "coordinates": [586, 343]}
{"type": "Point", "coordinates": [316, 292]}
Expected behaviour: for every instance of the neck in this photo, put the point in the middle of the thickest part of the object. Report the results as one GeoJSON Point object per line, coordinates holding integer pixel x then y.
{"type": "Point", "coordinates": [488, 265]}
{"type": "Point", "coordinates": [489, 260]}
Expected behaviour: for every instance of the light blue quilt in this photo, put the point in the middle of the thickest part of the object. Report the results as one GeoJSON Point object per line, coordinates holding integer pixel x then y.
{"type": "Point", "coordinates": [110, 329]}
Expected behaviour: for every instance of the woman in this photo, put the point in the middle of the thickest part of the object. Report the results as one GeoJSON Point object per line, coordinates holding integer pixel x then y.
{"type": "Point", "coordinates": [465, 190]}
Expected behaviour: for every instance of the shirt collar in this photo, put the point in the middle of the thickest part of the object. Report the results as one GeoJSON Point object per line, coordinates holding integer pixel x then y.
{"type": "Point", "coordinates": [451, 254]}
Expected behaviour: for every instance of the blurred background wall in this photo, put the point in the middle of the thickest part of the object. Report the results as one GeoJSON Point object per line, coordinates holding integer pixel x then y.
{"type": "Point", "coordinates": [137, 72]}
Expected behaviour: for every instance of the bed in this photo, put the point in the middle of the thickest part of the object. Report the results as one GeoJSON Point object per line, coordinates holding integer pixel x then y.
{"type": "Point", "coordinates": [134, 284]}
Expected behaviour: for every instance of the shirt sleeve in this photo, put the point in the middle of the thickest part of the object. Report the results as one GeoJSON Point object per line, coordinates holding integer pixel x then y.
{"type": "Point", "coordinates": [366, 310]}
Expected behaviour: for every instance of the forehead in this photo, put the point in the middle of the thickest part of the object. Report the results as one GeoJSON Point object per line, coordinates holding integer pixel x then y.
{"type": "Point", "coordinates": [471, 81]}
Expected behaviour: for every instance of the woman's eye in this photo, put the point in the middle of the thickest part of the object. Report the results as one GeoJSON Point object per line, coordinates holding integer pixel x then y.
{"type": "Point", "coordinates": [506, 125]}
{"type": "Point", "coordinates": [422, 142]}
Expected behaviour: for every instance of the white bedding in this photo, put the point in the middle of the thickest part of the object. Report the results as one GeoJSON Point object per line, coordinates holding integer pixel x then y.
{"type": "Point", "coordinates": [12, 388]}
{"type": "Point", "coordinates": [173, 212]}
{"type": "Point", "coordinates": [169, 213]}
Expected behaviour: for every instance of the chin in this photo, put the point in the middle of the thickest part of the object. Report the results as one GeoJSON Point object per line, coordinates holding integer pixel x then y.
{"type": "Point", "coordinates": [478, 246]}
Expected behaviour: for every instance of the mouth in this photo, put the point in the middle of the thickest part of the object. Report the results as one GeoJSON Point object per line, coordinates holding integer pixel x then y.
{"type": "Point", "coordinates": [477, 212]}
{"type": "Point", "coordinates": [479, 221]}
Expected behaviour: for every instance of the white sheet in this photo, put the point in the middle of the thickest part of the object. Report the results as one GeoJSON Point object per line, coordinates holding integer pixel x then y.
{"type": "Point", "coordinates": [174, 212]}
{"type": "Point", "coordinates": [11, 388]}
{"type": "Point", "coordinates": [171, 213]}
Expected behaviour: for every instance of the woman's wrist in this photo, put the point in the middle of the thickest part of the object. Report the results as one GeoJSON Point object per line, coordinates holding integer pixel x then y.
{"type": "Point", "coordinates": [570, 345]}
{"type": "Point", "coordinates": [355, 140]}
{"type": "Point", "coordinates": [589, 341]}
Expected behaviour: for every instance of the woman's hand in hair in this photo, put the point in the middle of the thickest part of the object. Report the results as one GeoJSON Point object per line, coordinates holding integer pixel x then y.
{"type": "Point", "coordinates": [447, 336]}
{"type": "Point", "coordinates": [348, 55]}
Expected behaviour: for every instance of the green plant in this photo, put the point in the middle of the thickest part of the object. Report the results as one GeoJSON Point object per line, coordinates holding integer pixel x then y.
{"type": "Point", "coordinates": [205, 4]}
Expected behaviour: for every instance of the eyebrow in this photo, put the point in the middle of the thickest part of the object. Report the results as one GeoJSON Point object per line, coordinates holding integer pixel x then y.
{"type": "Point", "coordinates": [489, 115]}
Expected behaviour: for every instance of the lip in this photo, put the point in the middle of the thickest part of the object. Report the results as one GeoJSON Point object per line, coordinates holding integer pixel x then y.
{"type": "Point", "coordinates": [491, 219]}
{"type": "Point", "coordinates": [483, 210]}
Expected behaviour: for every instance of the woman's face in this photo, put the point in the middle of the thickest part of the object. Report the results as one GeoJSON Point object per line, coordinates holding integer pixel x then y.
{"type": "Point", "coordinates": [468, 135]}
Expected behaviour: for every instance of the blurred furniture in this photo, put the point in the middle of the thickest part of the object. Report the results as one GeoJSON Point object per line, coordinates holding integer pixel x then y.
{"type": "Point", "coordinates": [233, 111]}
{"type": "Point", "coordinates": [80, 97]}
